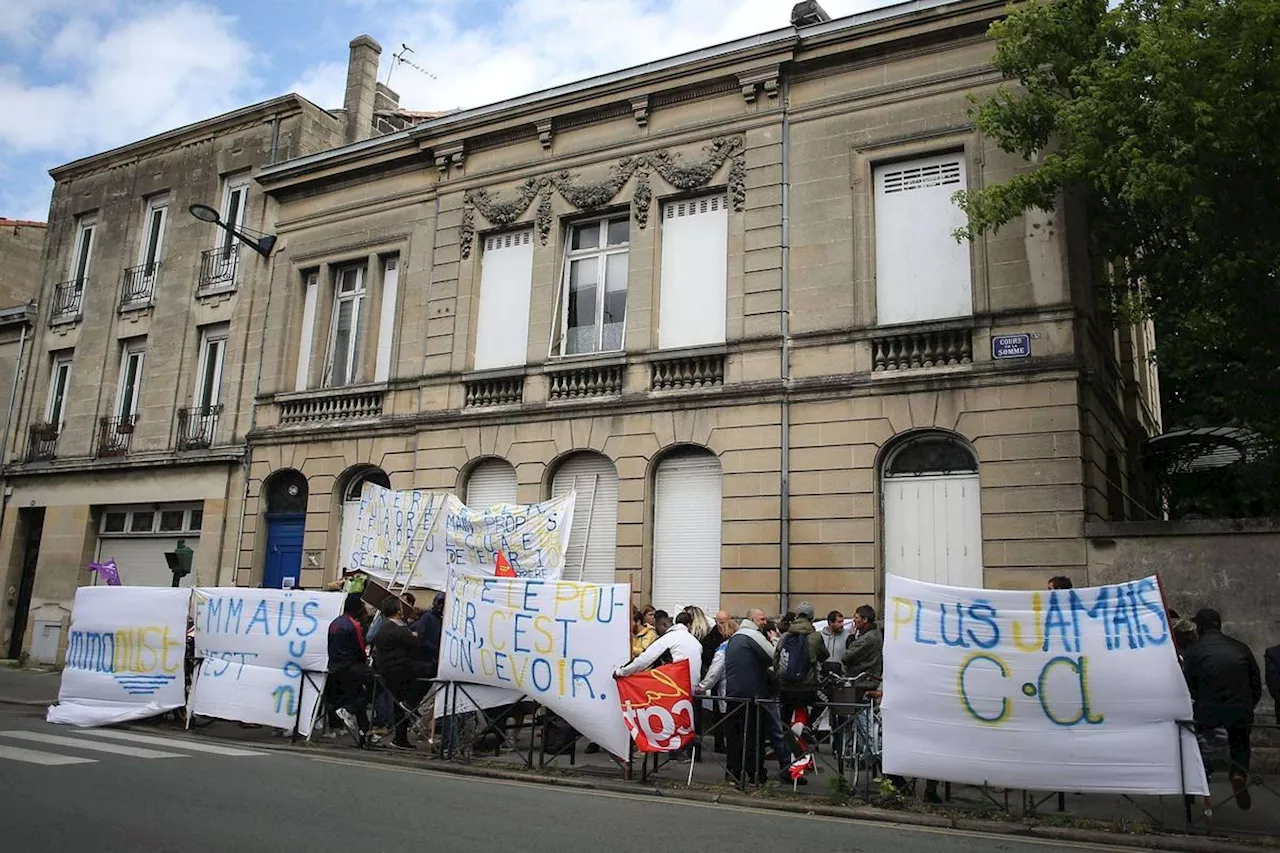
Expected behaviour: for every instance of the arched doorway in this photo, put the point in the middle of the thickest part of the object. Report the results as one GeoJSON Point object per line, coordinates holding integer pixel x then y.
{"type": "Point", "coordinates": [349, 507]}
{"type": "Point", "coordinates": [491, 481]}
{"type": "Point", "coordinates": [593, 539]}
{"type": "Point", "coordinates": [932, 510]}
{"type": "Point", "coordinates": [686, 530]}
{"type": "Point", "coordinates": [286, 499]}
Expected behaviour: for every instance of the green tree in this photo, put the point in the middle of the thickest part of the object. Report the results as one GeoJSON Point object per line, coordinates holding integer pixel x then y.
{"type": "Point", "coordinates": [1163, 118]}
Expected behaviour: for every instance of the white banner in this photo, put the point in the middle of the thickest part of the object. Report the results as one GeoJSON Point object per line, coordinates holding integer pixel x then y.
{"type": "Point", "coordinates": [557, 642]}
{"type": "Point", "coordinates": [124, 655]}
{"type": "Point", "coordinates": [1063, 690]}
{"type": "Point", "coordinates": [264, 653]}
{"type": "Point", "coordinates": [421, 536]}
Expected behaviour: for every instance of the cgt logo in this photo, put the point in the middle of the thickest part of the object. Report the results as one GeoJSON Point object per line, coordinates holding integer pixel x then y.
{"type": "Point", "coordinates": [657, 708]}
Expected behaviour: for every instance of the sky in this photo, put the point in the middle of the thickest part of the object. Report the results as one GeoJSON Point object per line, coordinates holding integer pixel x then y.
{"type": "Point", "coordinates": [81, 76]}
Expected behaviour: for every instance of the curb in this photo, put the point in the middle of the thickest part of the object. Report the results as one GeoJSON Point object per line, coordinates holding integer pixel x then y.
{"type": "Point", "coordinates": [1160, 842]}
{"type": "Point", "coordinates": [28, 703]}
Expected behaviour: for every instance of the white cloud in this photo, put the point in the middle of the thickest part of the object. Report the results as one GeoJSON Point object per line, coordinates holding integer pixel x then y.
{"type": "Point", "coordinates": [479, 57]}
{"type": "Point", "coordinates": [122, 80]}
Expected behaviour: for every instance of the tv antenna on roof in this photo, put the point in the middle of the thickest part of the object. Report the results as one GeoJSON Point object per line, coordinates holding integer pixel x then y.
{"type": "Point", "coordinates": [399, 58]}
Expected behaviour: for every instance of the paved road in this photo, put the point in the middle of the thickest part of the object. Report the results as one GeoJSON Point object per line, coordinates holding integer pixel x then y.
{"type": "Point", "coordinates": [114, 791]}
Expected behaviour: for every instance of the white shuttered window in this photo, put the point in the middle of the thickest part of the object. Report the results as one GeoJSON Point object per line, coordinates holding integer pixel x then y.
{"type": "Point", "coordinates": [593, 538]}
{"type": "Point", "coordinates": [922, 271]}
{"type": "Point", "coordinates": [502, 329]}
{"type": "Point", "coordinates": [695, 253]}
{"type": "Point", "coordinates": [686, 532]}
{"type": "Point", "coordinates": [491, 482]}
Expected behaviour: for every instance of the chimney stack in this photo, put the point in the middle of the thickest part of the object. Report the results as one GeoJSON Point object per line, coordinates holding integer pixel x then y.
{"type": "Point", "coordinates": [362, 87]}
{"type": "Point", "coordinates": [808, 13]}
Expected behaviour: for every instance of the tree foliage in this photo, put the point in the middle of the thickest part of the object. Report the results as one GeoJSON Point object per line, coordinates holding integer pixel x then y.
{"type": "Point", "coordinates": [1164, 118]}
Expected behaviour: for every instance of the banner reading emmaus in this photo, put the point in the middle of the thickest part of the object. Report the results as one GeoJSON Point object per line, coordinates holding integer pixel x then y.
{"type": "Point", "coordinates": [557, 642]}
{"type": "Point", "coordinates": [1059, 690]}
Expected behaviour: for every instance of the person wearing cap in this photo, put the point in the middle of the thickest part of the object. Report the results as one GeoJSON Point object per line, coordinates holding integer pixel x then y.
{"type": "Point", "coordinates": [797, 696]}
{"type": "Point", "coordinates": [1225, 684]}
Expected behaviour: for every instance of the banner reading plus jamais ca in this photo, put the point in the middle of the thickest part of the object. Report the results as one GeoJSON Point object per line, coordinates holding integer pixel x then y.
{"type": "Point", "coordinates": [263, 654]}
{"type": "Point", "coordinates": [657, 707]}
{"type": "Point", "coordinates": [557, 642]}
{"type": "Point", "coordinates": [1060, 690]}
{"type": "Point", "coordinates": [124, 655]}
{"type": "Point", "coordinates": [420, 536]}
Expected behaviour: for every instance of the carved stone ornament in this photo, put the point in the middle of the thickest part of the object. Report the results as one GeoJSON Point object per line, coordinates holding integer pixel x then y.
{"type": "Point", "coordinates": [592, 195]}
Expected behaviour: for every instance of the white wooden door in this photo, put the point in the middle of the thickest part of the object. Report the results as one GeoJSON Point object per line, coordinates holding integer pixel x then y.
{"type": "Point", "coordinates": [933, 529]}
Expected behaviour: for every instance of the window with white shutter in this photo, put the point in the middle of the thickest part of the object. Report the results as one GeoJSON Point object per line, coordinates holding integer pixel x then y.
{"type": "Point", "coordinates": [922, 271]}
{"type": "Point", "coordinates": [593, 537]}
{"type": "Point", "coordinates": [695, 252]}
{"type": "Point", "coordinates": [491, 482]}
{"type": "Point", "coordinates": [502, 328]}
{"type": "Point", "coordinates": [686, 532]}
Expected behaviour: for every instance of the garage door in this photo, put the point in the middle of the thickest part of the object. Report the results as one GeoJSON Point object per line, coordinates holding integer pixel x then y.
{"type": "Point", "coordinates": [593, 539]}
{"type": "Point", "coordinates": [686, 533]}
{"type": "Point", "coordinates": [491, 482]}
{"type": "Point", "coordinates": [140, 560]}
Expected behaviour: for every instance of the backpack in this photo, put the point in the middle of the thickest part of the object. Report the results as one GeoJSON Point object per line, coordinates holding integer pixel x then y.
{"type": "Point", "coordinates": [793, 658]}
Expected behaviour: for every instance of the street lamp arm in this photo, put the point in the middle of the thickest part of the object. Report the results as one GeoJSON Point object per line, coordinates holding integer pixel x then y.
{"type": "Point", "coordinates": [262, 245]}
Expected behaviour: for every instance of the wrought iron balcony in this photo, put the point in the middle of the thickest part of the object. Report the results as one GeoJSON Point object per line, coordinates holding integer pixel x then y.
{"type": "Point", "coordinates": [68, 299]}
{"type": "Point", "coordinates": [196, 426]}
{"type": "Point", "coordinates": [41, 441]}
{"type": "Point", "coordinates": [115, 435]}
{"type": "Point", "coordinates": [139, 285]}
{"type": "Point", "coordinates": [218, 268]}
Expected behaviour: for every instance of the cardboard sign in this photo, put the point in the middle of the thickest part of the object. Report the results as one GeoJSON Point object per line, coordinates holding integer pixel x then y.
{"type": "Point", "coordinates": [657, 707]}
{"type": "Point", "coordinates": [124, 657]}
{"type": "Point", "coordinates": [557, 642]}
{"type": "Point", "coordinates": [255, 646]}
{"type": "Point", "coordinates": [1062, 690]}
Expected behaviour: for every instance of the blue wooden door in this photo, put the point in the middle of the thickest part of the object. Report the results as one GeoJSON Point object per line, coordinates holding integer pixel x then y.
{"type": "Point", "coordinates": [284, 549]}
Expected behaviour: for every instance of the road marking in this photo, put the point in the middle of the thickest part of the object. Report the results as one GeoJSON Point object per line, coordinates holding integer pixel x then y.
{"type": "Point", "coordinates": [79, 743]}
{"type": "Point", "coordinates": [172, 743]}
{"type": "Point", "coordinates": [31, 756]}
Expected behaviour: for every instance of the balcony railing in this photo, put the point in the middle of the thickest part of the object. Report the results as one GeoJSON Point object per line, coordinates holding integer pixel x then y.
{"type": "Point", "coordinates": [495, 391]}
{"type": "Point", "coordinates": [139, 285]}
{"type": "Point", "coordinates": [691, 371]}
{"type": "Point", "coordinates": [114, 435]}
{"type": "Point", "coordinates": [196, 426]}
{"type": "Point", "coordinates": [581, 382]}
{"type": "Point", "coordinates": [41, 441]}
{"type": "Point", "coordinates": [218, 268]}
{"type": "Point", "coordinates": [922, 349]}
{"type": "Point", "coordinates": [68, 299]}
{"type": "Point", "coordinates": [337, 407]}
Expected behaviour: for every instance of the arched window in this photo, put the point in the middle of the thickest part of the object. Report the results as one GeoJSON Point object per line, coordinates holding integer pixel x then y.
{"type": "Point", "coordinates": [593, 539]}
{"type": "Point", "coordinates": [491, 482]}
{"type": "Point", "coordinates": [686, 530]}
{"type": "Point", "coordinates": [350, 508]}
{"type": "Point", "coordinates": [933, 511]}
{"type": "Point", "coordinates": [355, 483]}
{"type": "Point", "coordinates": [286, 493]}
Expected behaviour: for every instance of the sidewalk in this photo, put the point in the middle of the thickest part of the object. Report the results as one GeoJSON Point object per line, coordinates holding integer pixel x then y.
{"type": "Point", "coordinates": [1113, 819]}
{"type": "Point", "coordinates": [27, 686]}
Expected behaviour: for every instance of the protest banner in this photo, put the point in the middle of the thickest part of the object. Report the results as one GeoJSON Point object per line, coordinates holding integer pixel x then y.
{"type": "Point", "coordinates": [1060, 690]}
{"type": "Point", "coordinates": [557, 642]}
{"type": "Point", "coordinates": [263, 654]}
{"type": "Point", "coordinates": [657, 707]}
{"type": "Point", "coordinates": [419, 537]}
{"type": "Point", "coordinates": [124, 655]}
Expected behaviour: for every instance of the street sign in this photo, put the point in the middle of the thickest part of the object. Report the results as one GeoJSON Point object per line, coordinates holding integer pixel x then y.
{"type": "Point", "coordinates": [1010, 346]}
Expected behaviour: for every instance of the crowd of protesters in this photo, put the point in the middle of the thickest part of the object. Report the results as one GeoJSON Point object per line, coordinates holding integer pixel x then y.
{"type": "Point", "coordinates": [760, 680]}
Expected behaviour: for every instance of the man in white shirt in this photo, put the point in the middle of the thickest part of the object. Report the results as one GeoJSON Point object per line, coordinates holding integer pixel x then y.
{"type": "Point", "coordinates": [682, 645]}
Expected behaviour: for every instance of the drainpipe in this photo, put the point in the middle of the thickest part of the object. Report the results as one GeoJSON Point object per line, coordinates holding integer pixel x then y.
{"type": "Point", "coordinates": [275, 140]}
{"type": "Point", "coordinates": [784, 581]}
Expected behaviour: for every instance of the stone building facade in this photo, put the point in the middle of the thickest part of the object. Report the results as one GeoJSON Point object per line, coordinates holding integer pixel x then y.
{"type": "Point", "coordinates": [719, 296]}
{"type": "Point", "coordinates": [129, 437]}
{"type": "Point", "coordinates": [21, 242]}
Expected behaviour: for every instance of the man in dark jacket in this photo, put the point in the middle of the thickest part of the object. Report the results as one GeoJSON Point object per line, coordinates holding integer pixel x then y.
{"type": "Point", "coordinates": [746, 662]}
{"type": "Point", "coordinates": [864, 652]}
{"type": "Point", "coordinates": [1225, 685]}
{"type": "Point", "coordinates": [798, 681]}
{"type": "Point", "coordinates": [349, 667]}
{"type": "Point", "coordinates": [394, 648]}
{"type": "Point", "coordinates": [428, 628]}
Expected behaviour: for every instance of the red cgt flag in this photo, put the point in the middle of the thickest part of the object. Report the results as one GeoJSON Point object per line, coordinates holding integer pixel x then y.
{"type": "Point", "coordinates": [657, 706]}
{"type": "Point", "coordinates": [504, 569]}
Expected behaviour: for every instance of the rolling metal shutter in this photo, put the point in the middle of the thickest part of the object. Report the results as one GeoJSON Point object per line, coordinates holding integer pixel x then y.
{"type": "Point", "coordinates": [686, 533]}
{"type": "Point", "coordinates": [593, 539]}
{"type": "Point", "coordinates": [140, 559]}
{"type": "Point", "coordinates": [491, 482]}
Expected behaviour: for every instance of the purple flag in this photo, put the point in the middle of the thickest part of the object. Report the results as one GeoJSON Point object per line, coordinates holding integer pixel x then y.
{"type": "Point", "coordinates": [107, 572]}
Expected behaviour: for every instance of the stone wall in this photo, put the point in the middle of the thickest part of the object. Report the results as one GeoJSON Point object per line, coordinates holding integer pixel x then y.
{"type": "Point", "coordinates": [1229, 565]}
{"type": "Point", "coordinates": [20, 245]}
